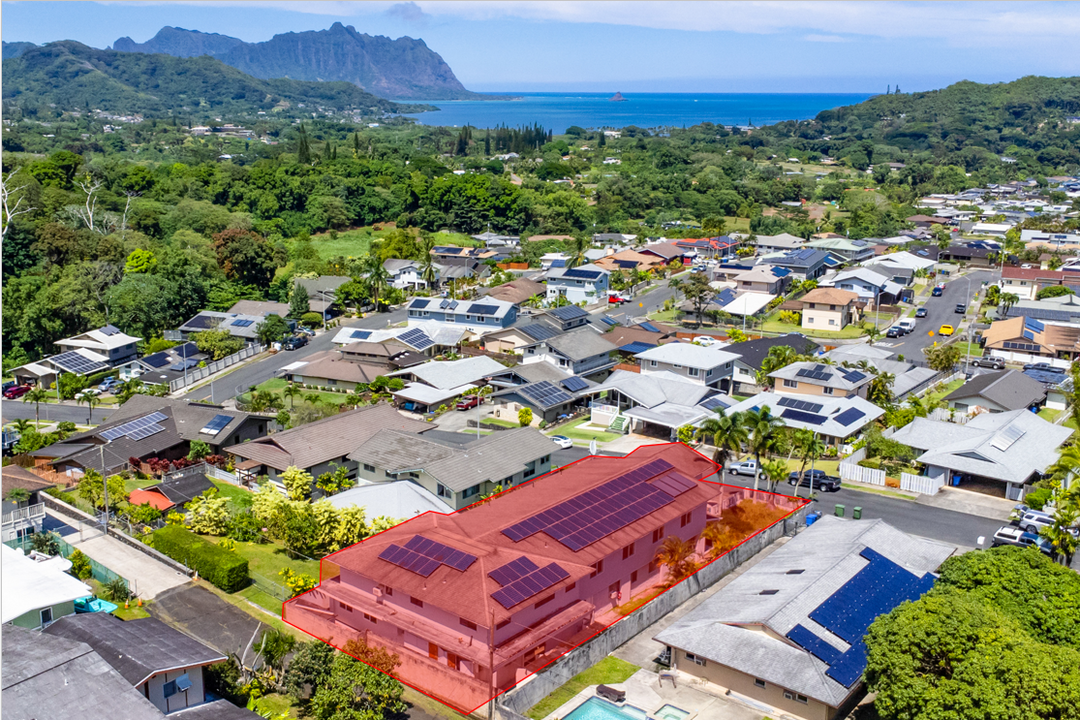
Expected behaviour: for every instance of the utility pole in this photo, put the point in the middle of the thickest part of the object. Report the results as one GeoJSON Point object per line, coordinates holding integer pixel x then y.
{"type": "Point", "coordinates": [491, 666]}
{"type": "Point", "coordinates": [105, 485]}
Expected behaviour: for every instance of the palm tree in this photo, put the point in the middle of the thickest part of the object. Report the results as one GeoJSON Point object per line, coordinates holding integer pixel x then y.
{"type": "Point", "coordinates": [428, 272]}
{"type": "Point", "coordinates": [313, 397]}
{"type": "Point", "coordinates": [91, 402]}
{"type": "Point", "coordinates": [675, 284]}
{"type": "Point", "coordinates": [129, 389]}
{"type": "Point", "coordinates": [378, 279]}
{"type": "Point", "coordinates": [577, 255]}
{"type": "Point", "coordinates": [779, 357]}
{"type": "Point", "coordinates": [880, 389]}
{"type": "Point", "coordinates": [1060, 533]}
{"type": "Point", "coordinates": [720, 539]}
{"type": "Point", "coordinates": [265, 400]}
{"type": "Point", "coordinates": [22, 426]}
{"type": "Point", "coordinates": [727, 433]}
{"type": "Point", "coordinates": [17, 495]}
{"type": "Point", "coordinates": [774, 471]}
{"type": "Point", "coordinates": [873, 332]}
{"type": "Point", "coordinates": [763, 428]}
{"type": "Point", "coordinates": [675, 553]}
{"type": "Point", "coordinates": [810, 447]}
{"type": "Point", "coordinates": [1007, 301]}
{"type": "Point", "coordinates": [291, 391]}
{"type": "Point", "coordinates": [37, 396]}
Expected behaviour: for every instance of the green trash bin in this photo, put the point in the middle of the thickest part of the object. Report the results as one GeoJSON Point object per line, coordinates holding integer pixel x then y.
{"type": "Point", "coordinates": [839, 511]}
{"type": "Point", "coordinates": [856, 512]}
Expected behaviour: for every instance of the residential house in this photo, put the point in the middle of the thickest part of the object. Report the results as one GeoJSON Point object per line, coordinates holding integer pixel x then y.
{"type": "Point", "coordinates": [401, 500]}
{"type": "Point", "coordinates": [666, 251]}
{"type": "Point", "coordinates": [22, 517]}
{"type": "Point", "coordinates": [645, 335]}
{"type": "Point", "coordinates": [657, 404]}
{"type": "Point", "coordinates": [259, 308]}
{"type": "Point", "coordinates": [781, 243]}
{"type": "Point", "coordinates": [581, 351]}
{"type": "Point", "coordinates": [409, 274]}
{"type": "Point", "coordinates": [321, 291]}
{"type": "Point", "coordinates": [1026, 283]}
{"type": "Point", "coordinates": [37, 591]}
{"type": "Point", "coordinates": [1058, 387]}
{"type": "Point", "coordinates": [1004, 451]}
{"type": "Point", "coordinates": [464, 626]}
{"type": "Point", "coordinates": [872, 288]}
{"type": "Point", "coordinates": [619, 238]}
{"type": "Point", "coordinates": [907, 377]}
{"type": "Point", "coordinates": [583, 284]}
{"type": "Point", "coordinates": [996, 392]}
{"type": "Point", "coordinates": [150, 427]}
{"type": "Point", "coordinates": [828, 309]}
{"type": "Point", "coordinates": [543, 388]}
{"type": "Point", "coordinates": [903, 277]}
{"type": "Point", "coordinates": [174, 492]}
{"type": "Point", "coordinates": [245, 327]}
{"type": "Point", "coordinates": [517, 291]}
{"type": "Point", "coordinates": [805, 264]}
{"type": "Point", "coordinates": [850, 251]}
{"type": "Point", "coordinates": [554, 260]}
{"type": "Point", "coordinates": [762, 279]}
{"type": "Point", "coordinates": [476, 316]}
{"type": "Point", "coordinates": [980, 256]}
{"type": "Point", "coordinates": [353, 365]}
{"type": "Point", "coordinates": [318, 447]}
{"type": "Point", "coordinates": [1067, 242]}
{"type": "Point", "coordinates": [1031, 337]}
{"type": "Point", "coordinates": [426, 337]}
{"type": "Point", "coordinates": [813, 378]}
{"type": "Point", "coordinates": [781, 634]}
{"type": "Point", "coordinates": [925, 222]}
{"type": "Point", "coordinates": [491, 239]}
{"type": "Point", "coordinates": [117, 347]}
{"type": "Point", "coordinates": [436, 383]}
{"type": "Point", "coordinates": [697, 364]}
{"type": "Point", "coordinates": [52, 677]}
{"type": "Point", "coordinates": [162, 367]}
{"type": "Point", "coordinates": [44, 372]}
{"type": "Point", "coordinates": [464, 256]}
{"type": "Point", "coordinates": [630, 260]}
{"type": "Point", "coordinates": [836, 419]}
{"type": "Point", "coordinates": [991, 229]}
{"type": "Point", "coordinates": [752, 353]}
{"type": "Point", "coordinates": [715, 247]}
{"type": "Point", "coordinates": [164, 664]}
{"type": "Point", "coordinates": [456, 473]}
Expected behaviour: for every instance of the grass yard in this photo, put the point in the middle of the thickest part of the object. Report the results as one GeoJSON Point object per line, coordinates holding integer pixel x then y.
{"type": "Point", "coordinates": [357, 242]}
{"type": "Point", "coordinates": [970, 348]}
{"type": "Point", "coordinates": [665, 316]}
{"type": "Point", "coordinates": [571, 431]}
{"type": "Point", "coordinates": [275, 705]}
{"type": "Point", "coordinates": [831, 467]}
{"type": "Point", "coordinates": [136, 483]}
{"type": "Point", "coordinates": [1049, 415]}
{"type": "Point", "coordinates": [278, 385]}
{"type": "Point", "coordinates": [268, 559]}
{"type": "Point", "coordinates": [782, 328]}
{"type": "Point", "coordinates": [934, 396]}
{"type": "Point", "coordinates": [497, 422]}
{"type": "Point", "coordinates": [238, 497]}
{"type": "Point", "coordinates": [609, 670]}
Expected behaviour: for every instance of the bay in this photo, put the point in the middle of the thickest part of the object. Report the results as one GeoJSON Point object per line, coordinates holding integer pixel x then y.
{"type": "Point", "coordinates": [558, 111]}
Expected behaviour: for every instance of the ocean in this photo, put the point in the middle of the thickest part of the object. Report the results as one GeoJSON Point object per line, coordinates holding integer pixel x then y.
{"type": "Point", "coordinates": [558, 111]}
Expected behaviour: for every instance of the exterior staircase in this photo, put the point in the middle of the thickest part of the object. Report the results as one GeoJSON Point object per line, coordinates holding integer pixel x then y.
{"type": "Point", "coordinates": [618, 425]}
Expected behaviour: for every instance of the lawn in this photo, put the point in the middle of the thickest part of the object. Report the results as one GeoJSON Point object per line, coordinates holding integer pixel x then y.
{"type": "Point", "coordinates": [571, 431]}
{"type": "Point", "coordinates": [934, 396]}
{"type": "Point", "coordinates": [782, 328]}
{"type": "Point", "coordinates": [496, 422]}
{"type": "Point", "coordinates": [967, 348]}
{"type": "Point", "coordinates": [278, 385]}
{"type": "Point", "coordinates": [609, 670]}
{"type": "Point", "coordinates": [268, 559]}
{"type": "Point", "coordinates": [357, 242]}
{"type": "Point", "coordinates": [1049, 415]}
{"type": "Point", "coordinates": [275, 705]}
{"type": "Point", "coordinates": [831, 467]}
{"type": "Point", "coordinates": [238, 497]}
{"type": "Point", "coordinates": [136, 483]}
{"type": "Point", "coordinates": [665, 316]}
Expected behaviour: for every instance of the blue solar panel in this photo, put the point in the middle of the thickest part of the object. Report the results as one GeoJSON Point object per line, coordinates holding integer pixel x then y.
{"type": "Point", "coordinates": [484, 309]}
{"type": "Point", "coordinates": [649, 326]}
{"type": "Point", "coordinates": [568, 312]}
{"type": "Point", "coordinates": [157, 360]}
{"type": "Point", "coordinates": [713, 403]}
{"type": "Point", "coordinates": [636, 347]}
{"type": "Point", "coordinates": [853, 375]}
{"type": "Point", "coordinates": [574, 384]}
{"type": "Point", "coordinates": [216, 424]}
{"type": "Point", "coordinates": [577, 274]}
{"type": "Point", "coordinates": [73, 362]}
{"type": "Point", "coordinates": [849, 416]}
{"type": "Point", "coordinates": [185, 351]}
{"type": "Point", "coordinates": [444, 554]}
{"type": "Point", "coordinates": [360, 334]}
{"type": "Point", "coordinates": [513, 570]}
{"type": "Point", "coordinates": [242, 323]}
{"type": "Point", "coordinates": [1034, 325]}
{"type": "Point", "coordinates": [1028, 334]}
{"type": "Point", "coordinates": [607, 320]}
{"type": "Point", "coordinates": [419, 303]}
{"type": "Point", "coordinates": [525, 587]}
{"type": "Point", "coordinates": [184, 365]}
{"type": "Point", "coordinates": [417, 339]}
{"type": "Point", "coordinates": [817, 647]}
{"type": "Point", "coordinates": [539, 331]}
{"type": "Point", "coordinates": [803, 417]}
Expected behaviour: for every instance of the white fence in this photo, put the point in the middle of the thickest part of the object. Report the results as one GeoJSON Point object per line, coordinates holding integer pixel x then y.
{"type": "Point", "coordinates": [194, 375]}
{"type": "Point", "coordinates": [944, 414]}
{"type": "Point", "coordinates": [1018, 357]}
{"type": "Point", "coordinates": [921, 483]}
{"type": "Point", "coordinates": [858, 473]}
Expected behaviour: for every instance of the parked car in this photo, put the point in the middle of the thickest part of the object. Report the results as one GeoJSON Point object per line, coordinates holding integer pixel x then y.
{"type": "Point", "coordinates": [306, 331]}
{"type": "Point", "coordinates": [946, 330]}
{"type": "Point", "coordinates": [894, 332]}
{"type": "Point", "coordinates": [1008, 535]}
{"type": "Point", "coordinates": [938, 289]}
{"type": "Point", "coordinates": [295, 342]}
{"type": "Point", "coordinates": [16, 392]}
{"type": "Point", "coordinates": [989, 362]}
{"type": "Point", "coordinates": [1045, 367]}
{"type": "Point", "coordinates": [908, 324]}
{"type": "Point", "coordinates": [88, 392]}
{"type": "Point", "coordinates": [920, 313]}
{"type": "Point", "coordinates": [562, 441]}
{"type": "Point", "coordinates": [815, 479]}
{"type": "Point", "coordinates": [706, 340]}
{"type": "Point", "coordinates": [961, 308]}
{"type": "Point", "coordinates": [109, 383]}
{"type": "Point", "coordinates": [1034, 521]}
{"type": "Point", "coordinates": [469, 401]}
{"type": "Point", "coordinates": [746, 467]}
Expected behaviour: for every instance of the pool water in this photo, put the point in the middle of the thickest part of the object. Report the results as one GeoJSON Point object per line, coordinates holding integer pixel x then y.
{"type": "Point", "coordinates": [670, 712]}
{"type": "Point", "coordinates": [599, 709]}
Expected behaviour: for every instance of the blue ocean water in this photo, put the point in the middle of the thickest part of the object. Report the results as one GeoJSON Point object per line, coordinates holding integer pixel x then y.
{"type": "Point", "coordinates": [558, 111]}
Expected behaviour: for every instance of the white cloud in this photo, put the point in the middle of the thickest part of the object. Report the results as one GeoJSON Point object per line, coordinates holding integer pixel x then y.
{"type": "Point", "coordinates": [824, 38]}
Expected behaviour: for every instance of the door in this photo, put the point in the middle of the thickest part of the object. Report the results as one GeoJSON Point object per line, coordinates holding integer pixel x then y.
{"type": "Point", "coordinates": [433, 651]}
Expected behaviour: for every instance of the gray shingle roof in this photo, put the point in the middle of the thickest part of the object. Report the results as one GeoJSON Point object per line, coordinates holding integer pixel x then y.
{"type": "Point", "coordinates": [753, 352]}
{"type": "Point", "coordinates": [846, 379]}
{"type": "Point", "coordinates": [654, 389]}
{"type": "Point", "coordinates": [446, 375]}
{"type": "Point", "coordinates": [1010, 389]}
{"type": "Point", "coordinates": [136, 649]}
{"type": "Point", "coordinates": [580, 343]}
{"type": "Point", "coordinates": [217, 710]}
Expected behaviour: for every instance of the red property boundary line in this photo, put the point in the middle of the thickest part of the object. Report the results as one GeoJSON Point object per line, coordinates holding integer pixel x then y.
{"type": "Point", "coordinates": [802, 502]}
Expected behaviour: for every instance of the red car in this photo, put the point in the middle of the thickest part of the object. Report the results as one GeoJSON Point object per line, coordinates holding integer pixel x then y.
{"type": "Point", "coordinates": [16, 392]}
{"type": "Point", "coordinates": [469, 401]}
{"type": "Point", "coordinates": [617, 299]}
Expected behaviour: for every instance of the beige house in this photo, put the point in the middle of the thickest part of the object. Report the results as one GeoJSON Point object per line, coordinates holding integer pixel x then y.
{"type": "Point", "coordinates": [828, 309]}
{"type": "Point", "coordinates": [811, 378]}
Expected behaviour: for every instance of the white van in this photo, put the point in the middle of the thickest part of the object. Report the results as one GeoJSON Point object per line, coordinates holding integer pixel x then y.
{"type": "Point", "coordinates": [908, 324]}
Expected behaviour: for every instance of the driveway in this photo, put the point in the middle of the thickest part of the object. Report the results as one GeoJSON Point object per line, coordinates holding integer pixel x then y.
{"type": "Point", "coordinates": [196, 611]}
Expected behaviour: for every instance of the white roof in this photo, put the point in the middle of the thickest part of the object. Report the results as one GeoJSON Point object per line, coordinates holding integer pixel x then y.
{"type": "Point", "coordinates": [783, 240]}
{"type": "Point", "coordinates": [105, 338]}
{"type": "Point", "coordinates": [418, 392]}
{"type": "Point", "coordinates": [688, 354]}
{"type": "Point", "coordinates": [902, 259]}
{"type": "Point", "coordinates": [400, 500]}
{"type": "Point", "coordinates": [454, 373]}
{"type": "Point", "coordinates": [822, 419]}
{"type": "Point", "coordinates": [749, 303]}
{"type": "Point", "coordinates": [29, 585]}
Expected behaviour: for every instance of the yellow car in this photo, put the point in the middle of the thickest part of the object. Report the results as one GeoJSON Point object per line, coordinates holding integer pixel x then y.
{"type": "Point", "coordinates": [946, 330]}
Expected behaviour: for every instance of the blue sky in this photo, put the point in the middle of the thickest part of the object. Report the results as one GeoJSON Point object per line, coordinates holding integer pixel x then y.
{"type": "Point", "coordinates": [645, 46]}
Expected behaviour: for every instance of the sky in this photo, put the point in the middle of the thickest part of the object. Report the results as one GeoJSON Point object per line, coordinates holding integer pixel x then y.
{"type": "Point", "coordinates": [635, 46]}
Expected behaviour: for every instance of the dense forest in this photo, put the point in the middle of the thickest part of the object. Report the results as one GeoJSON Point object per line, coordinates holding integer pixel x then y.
{"type": "Point", "coordinates": [143, 223]}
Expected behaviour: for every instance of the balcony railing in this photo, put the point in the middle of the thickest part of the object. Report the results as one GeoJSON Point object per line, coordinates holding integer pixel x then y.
{"type": "Point", "coordinates": [25, 514]}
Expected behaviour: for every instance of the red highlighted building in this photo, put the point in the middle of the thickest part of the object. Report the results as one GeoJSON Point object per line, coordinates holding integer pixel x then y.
{"type": "Point", "coordinates": [474, 601]}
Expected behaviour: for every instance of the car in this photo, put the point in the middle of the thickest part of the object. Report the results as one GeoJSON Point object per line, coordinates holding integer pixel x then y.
{"type": "Point", "coordinates": [920, 313]}
{"type": "Point", "coordinates": [946, 330]}
{"type": "Point", "coordinates": [562, 441]}
{"type": "Point", "coordinates": [907, 324]}
{"type": "Point", "coordinates": [109, 383]}
{"type": "Point", "coordinates": [938, 290]}
{"type": "Point", "coordinates": [306, 331]}
{"type": "Point", "coordinates": [815, 479]}
{"type": "Point", "coordinates": [1045, 367]}
{"type": "Point", "coordinates": [16, 392]}
{"type": "Point", "coordinates": [1007, 535]}
{"type": "Point", "coordinates": [706, 340]}
{"type": "Point", "coordinates": [616, 299]}
{"type": "Point", "coordinates": [746, 467]}
{"type": "Point", "coordinates": [961, 308]}
{"type": "Point", "coordinates": [1034, 521]}
{"type": "Point", "coordinates": [469, 401]}
{"type": "Point", "coordinates": [295, 342]}
{"type": "Point", "coordinates": [894, 332]}
{"type": "Point", "coordinates": [989, 362]}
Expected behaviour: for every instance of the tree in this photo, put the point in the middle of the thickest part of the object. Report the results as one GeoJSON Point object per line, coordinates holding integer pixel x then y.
{"type": "Point", "coordinates": [377, 278]}
{"type": "Point", "coordinates": [140, 261]}
{"type": "Point", "coordinates": [333, 483]}
{"type": "Point", "coordinates": [17, 495]}
{"type": "Point", "coordinates": [272, 329]}
{"type": "Point", "coordinates": [208, 513]}
{"type": "Point", "coordinates": [80, 565]}
{"type": "Point", "coordinates": [1007, 301]}
{"type": "Point", "coordinates": [303, 147]}
{"type": "Point", "coordinates": [37, 396]}
{"type": "Point", "coordinates": [266, 503]}
{"type": "Point", "coordinates": [779, 357]}
{"type": "Point", "coordinates": [872, 333]}
{"type": "Point", "coordinates": [273, 646]}
{"type": "Point", "coordinates": [308, 669]}
{"type": "Point", "coordinates": [763, 428]}
{"type": "Point", "coordinates": [291, 391]}
{"type": "Point", "coordinates": [1052, 291]}
{"type": "Point", "coordinates": [525, 417]}
{"type": "Point", "coordinates": [578, 246]}
{"type": "Point", "coordinates": [245, 257]}
{"type": "Point", "coordinates": [355, 691]}
{"type": "Point", "coordinates": [942, 359]}
{"type": "Point", "coordinates": [197, 450]}
{"type": "Point", "coordinates": [46, 543]}
{"type": "Point", "coordinates": [13, 200]}
{"type": "Point", "coordinates": [726, 433]}
{"type": "Point", "coordinates": [675, 284]}
{"type": "Point", "coordinates": [299, 302]}
{"type": "Point", "coordinates": [1066, 513]}
{"type": "Point", "coordinates": [297, 483]}
{"type": "Point", "coordinates": [810, 447]}
{"type": "Point", "coordinates": [352, 526]}
{"type": "Point", "coordinates": [697, 290]}
{"type": "Point", "coordinates": [676, 555]}
{"type": "Point", "coordinates": [217, 343]}
{"type": "Point", "coordinates": [91, 402]}
{"type": "Point", "coordinates": [880, 390]}
{"type": "Point", "coordinates": [92, 490]}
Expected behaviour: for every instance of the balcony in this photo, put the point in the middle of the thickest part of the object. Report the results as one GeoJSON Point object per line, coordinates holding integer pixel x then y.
{"type": "Point", "coordinates": [24, 517]}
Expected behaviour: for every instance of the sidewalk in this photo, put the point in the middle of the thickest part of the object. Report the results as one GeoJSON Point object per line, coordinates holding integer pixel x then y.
{"type": "Point", "coordinates": [147, 577]}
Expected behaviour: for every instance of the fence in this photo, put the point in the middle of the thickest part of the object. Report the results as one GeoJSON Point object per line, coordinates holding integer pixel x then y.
{"type": "Point", "coordinates": [921, 483]}
{"type": "Point", "coordinates": [269, 587]}
{"type": "Point", "coordinates": [943, 414]}
{"type": "Point", "coordinates": [1017, 357]}
{"type": "Point", "coordinates": [202, 468]}
{"type": "Point", "coordinates": [858, 473]}
{"type": "Point", "coordinates": [196, 374]}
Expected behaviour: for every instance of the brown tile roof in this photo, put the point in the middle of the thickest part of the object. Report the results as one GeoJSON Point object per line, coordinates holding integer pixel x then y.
{"type": "Point", "coordinates": [610, 262]}
{"type": "Point", "coordinates": [621, 335]}
{"type": "Point", "coordinates": [517, 291]}
{"type": "Point", "coordinates": [18, 477]}
{"type": "Point", "coordinates": [328, 365]}
{"type": "Point", "coordinates": [829, 296]}
{"type": "Point", "coordinates": [664, 250]}
{"type": "Point", "coordinates": [1016, 273]}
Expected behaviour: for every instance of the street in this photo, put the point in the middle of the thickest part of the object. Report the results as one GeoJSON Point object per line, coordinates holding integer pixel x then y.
{"type": "Point", "coordinates": [18, 410]}
{"type": "Point", "coordinates": [642, 305]}
{"type": "Point", "coordinates": [939, 311]}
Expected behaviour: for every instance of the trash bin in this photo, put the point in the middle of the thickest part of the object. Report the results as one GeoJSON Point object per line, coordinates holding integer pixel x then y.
{"type": "Point", "coordinates": [811, 519]}
{"type": "Point", "coordinates": [856, 512]}
{"type": "Point", "coordinates": [839, 511]}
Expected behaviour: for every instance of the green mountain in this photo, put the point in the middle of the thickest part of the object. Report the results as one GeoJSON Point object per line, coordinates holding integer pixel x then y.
{"type": "Point", "coordinates": [399, 69]}
{"type": "Point", "coordinates": [74, 76]}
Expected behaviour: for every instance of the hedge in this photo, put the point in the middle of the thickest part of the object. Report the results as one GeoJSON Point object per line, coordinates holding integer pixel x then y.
{"type": "Point", "coordinates": [223, 568]}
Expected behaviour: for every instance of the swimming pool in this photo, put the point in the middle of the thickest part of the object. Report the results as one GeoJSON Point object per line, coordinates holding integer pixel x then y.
{"type": "Point", "coordinates": [670, 712]}
{"type": "Point", "coordinates": [599, 709]}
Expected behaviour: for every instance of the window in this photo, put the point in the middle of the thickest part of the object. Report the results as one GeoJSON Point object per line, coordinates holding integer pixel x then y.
{"type": "Point", "coordinates": [628, 551]}
{"type": "Point", "coordinates": [695, 659]}
{"type": "Point", "coordinates": [347, 608]}
{"type": "Point", "coordinates": [388, 474]}
{"type": "Point", "coordinates": [467, 623]}
{"type": "Point", "coordinates": [46, 616]}
{"type": "Point", "coordinates": [417, 602]}
{"type": "Point", "coordinates": [790, 383]}
{"type": "Point", "coordinates": [443, 491]}
{"type": "Point", "coordinates": [759, 682]}
{"type": "Point", "coordinates": [832, 321]}
{"type": "Point", "coordinates": [652, 363]}
{"type": "Point", "coordinates": [832, 307]}
{"type": "Point", "coordinates": [826, 391]}
{"type": "Point", "coordinates": [503, 624]}
{"type": "Point", "coordinates": [598, 567]}
{"type": "Point", "coordinates": [571, 586]}
{"type": "Point", "coordinates": [543, 602]}
{"type": "Point", "coordinates": [801, 698]}
{"type": "Point", "coordinates": [169, 688]}
{"type": "Point", "coordinates": [800, 571]}
{"type": "Point", "coordinates": [658, 534]}
{"type": "Point", "coordinates": [371, 619]}
{"type": "Point", "coordinates": [727, 365]}
{"type": "Point", "coordinates": [685, 519]}
{"type": "Point", "coordinates": [388, 591]}
{"type": "Point", "coordinates": [709, 374]}
{"type": "Point", "coordinates": [543, 460]}
{"type": "Point", "coordinates": [532, 351]}
{"type": "Point", "coordinates": [369, 468]}
{"type": "Point", "coordinates": [693, 372]}
{"type": "Point", "coordinates": [810, 319]}
{"type": "Point", "coordinates": [474, 490]}
{"type": "Point", "coordinates": [677, 367]}
{"type": "Point", "coordinates": [633, 577]}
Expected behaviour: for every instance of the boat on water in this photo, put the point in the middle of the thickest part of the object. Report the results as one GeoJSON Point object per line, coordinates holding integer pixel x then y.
{"type": "Point", "coordinates": [617, 97]}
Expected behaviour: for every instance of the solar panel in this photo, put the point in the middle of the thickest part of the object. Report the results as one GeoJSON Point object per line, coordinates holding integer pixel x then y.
{"type": "Point", "coordinates": [849, 416]}
{"type": "Point", "coordinates": [409, 560]}
{"type": "Point", "coordinates": [185, 351]}
{"type": "Point", "coordinates": [419, 303]}
{"type": "Point", "coordinates": [136, 429]}
{"type": "Point", "coordinates": [636, 347]}
{"type": "Point", "coordinates": [513, 570]}
{"type": "Point", "coordinates": [157, 360]}
{"type": "Point", "coordinates": [1034, 325]}
{"type": "Point", "coordinates": [568, 312]}
{"type": "Point", "coordinates": [73, 362]}
{"type": "Point", "coordinates": [803, 417]}
{"type": "Point", "coordinates": [360, 334]}
{"type": "Point", "coordinates": [713, 403]}
{"type": "Point", "coordinates": [109, 331]}
{"type": "Point", "coordinates": [853, 375]}
{"type": "Point", "coordinates": [574, 384]}
{"type": "Point", "coordinates": [201, 322]}
{"type": "Point", "coordinates": [539, 331]}
{"type": "Point", "coordinates": [417, 339]}
{"type": "Point", "coordinates": [216, 424]}
{"type": "Point", "coordinates": [795, 404]}
{"type": "Point", "coordinates": [529, 585]}
{"type": "Point", "coordinates": [674, 484]}
{"type": "Point", "coordinates": [484, 309]}
{"type": "Point", "coordinates": [444, 554]}
{"type": "Point", "coordinates": [607, 320]}
{"type": "Point", "coordinates": [649, 326]}
{"type": "Point", "coordinates": [817, 647]}
{"type": "Point", "coordinates": [242, 323]}
{"type": "Point", "coordinates": [545, 393]}
{"type": "Point", "coordinates": [184, 365]}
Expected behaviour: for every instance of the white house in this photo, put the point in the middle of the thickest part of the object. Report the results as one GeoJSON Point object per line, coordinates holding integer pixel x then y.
{"type": "Point", "coordinates": [409, 274]}
{"type": "Point", "coordinates": [870, 286]}
{"type": "Point", "coordinates": [585, 283]}
{"type": "Point", "coordinates": [697, 364]}
{"type": "Point", "coordinates": [109, 341]}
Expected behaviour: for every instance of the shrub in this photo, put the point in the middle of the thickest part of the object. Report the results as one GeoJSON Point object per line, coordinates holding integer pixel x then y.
{"type": "Point", "coordinates": [80, 565]}
{"type": "Point", "coordinates": [311, 319]}
{"type": "Point", "coordinates": [1037, 499]}
{"type": "Point", "coordinates": [224, 568]}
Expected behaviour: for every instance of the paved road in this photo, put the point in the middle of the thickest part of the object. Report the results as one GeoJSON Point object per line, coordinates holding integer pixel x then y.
{"type": "Point", "coordinates": [264, 369]}
{"type": "Point", "coordinates": [947, 526]}
{"type": "Point", "coordinates": [643, 304]}
{"type": "Point", "coordinates": [939, 311]}
{"type": "Point", "coordinates": [15, 410]}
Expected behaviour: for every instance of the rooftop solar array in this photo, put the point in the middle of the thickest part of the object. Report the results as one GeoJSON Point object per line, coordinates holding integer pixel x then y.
{"type": "Point", "coordinates": [184, 365]}
{"type": "Point", "coordinates": [216, 424]}
{"type": "Point", "coordinates": [568, 312]}
{"type": "Point", "coordinates": [73, 362]}
{"type": "Point", "coordinates": [806, 405]}
{"type": "Point", "coordinates": [853, 375]}
{"type": "Point", "coordinates": [201, 322]}
{"type": "Point", "coordinates": [416, 339]}
{"type": "Point", "coordinates": [577, 274]}
{"type": "Point", "coordinates": [137, 429]}
{"type": "Point", "coordinates": [608, 320]}
{"type": "Point", "coordinates": [242, 322]}
{"type": "Point", "coordinates": [448, 305]}
{"type": "Point", "coordinates": [875, 590]}
{"type": "Point", "coordinates": [1034, 325]}
{"type": "Point", "coordinates": [713, 403]}
{"type": "Point", "coordinates": [513, 570]}
{"type": "Point", "coordinates": [110, 330]}
{"type": "Point", "coordinates": [419, 303]}
{"type": "Point", "coordinates": [803, 417]}
{"type": "Point", "coordinates": [157, 360]}
{"type": "Point", "coordinates": [849, 416]}
{"type": "Point", "coordinates": [649, 326]}
{"type": "Point", "coordinates": [525, 587]}
{"type": "Point", "coordinates": [1005, 437]}
{"type": "Point", "coordinates": [484, 309]}
{"type": "Point", "coordinates": [186, 350]}
{"type": "Point", "coordinates": [815, 373]}
{"type": "Point", "coordinates": [574, 384]}
{"type": "Point", "coordinates": [360, 334]}
{"type": "Point", "coordinates": [636, 347]}
{"type": "Point", "coordinates": [423, 556]}
{"type": "Point", "coordinates": [605, 509]}
{"type": "Point", "coordinates": [545, 394]}
{"type": "Point", "coordinates": [539, 331]}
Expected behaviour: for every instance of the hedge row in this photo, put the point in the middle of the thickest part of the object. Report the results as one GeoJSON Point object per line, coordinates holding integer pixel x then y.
{"type": "Point", "coordinates": [223, 568]}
